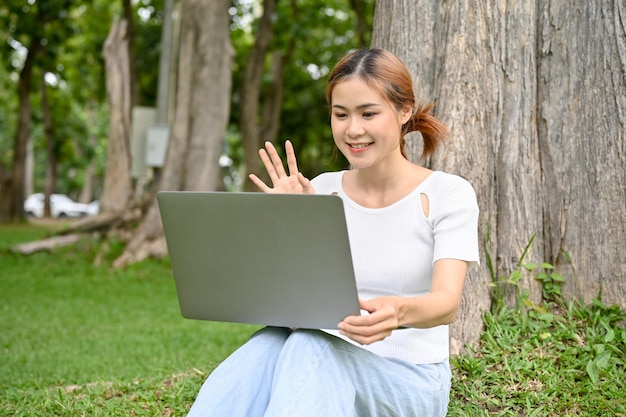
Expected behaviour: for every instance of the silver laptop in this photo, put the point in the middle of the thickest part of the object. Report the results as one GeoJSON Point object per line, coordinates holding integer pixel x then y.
{"type": "Point", "coordinates": [268, 259]}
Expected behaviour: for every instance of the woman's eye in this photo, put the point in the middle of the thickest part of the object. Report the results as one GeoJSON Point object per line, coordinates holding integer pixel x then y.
{"type": "Point", "coordinates": [368, 115]}
{"type": "Point", "coordinates": [340, 115]}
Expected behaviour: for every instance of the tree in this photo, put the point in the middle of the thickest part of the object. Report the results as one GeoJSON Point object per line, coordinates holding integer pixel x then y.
{"type": "Point", "coordinates": [117, 194]}
{"type": "Point", "coordinates": [251, 90]}
{"type": "Point", "coordinates": [39, 28]}
{"type": "Point", "coordinates": [296, 42]}
{"type": "Point", "coordinates": [534, 94]}
{"type": "Point", "coordinates": [201, 117]}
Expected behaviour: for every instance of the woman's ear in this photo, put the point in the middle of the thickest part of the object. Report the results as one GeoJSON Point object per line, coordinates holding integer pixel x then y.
{"type": "Point", "coordinates": [405, 114]}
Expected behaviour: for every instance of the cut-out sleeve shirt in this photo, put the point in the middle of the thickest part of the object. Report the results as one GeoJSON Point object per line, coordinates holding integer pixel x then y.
{"type": "Point", "coordinates": [394, 248]}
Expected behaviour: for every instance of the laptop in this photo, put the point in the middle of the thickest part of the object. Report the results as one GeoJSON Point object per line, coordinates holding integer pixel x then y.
{"type": "Point", "coordinates": [268, 259]}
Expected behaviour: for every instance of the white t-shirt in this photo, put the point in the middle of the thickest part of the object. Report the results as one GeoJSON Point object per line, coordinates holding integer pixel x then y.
{"type": "Point", "coordinates": [394, 248]}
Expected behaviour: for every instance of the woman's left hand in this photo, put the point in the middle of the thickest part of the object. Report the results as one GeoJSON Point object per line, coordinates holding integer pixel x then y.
{"type": "Point", "coordinates": [383, 318]}
{"type": "Point", "coordinates": [282, 182]}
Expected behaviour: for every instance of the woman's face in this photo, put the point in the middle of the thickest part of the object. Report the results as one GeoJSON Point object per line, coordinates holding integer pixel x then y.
{"type": "Point", "coordinates": [365, 126]}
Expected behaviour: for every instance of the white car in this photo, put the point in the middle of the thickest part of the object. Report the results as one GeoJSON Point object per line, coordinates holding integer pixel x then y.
{"type": "Point", "coordinates": [60, 206]}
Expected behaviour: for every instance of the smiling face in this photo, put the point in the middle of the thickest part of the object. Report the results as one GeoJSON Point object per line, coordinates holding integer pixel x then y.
{"type": "Point", "coordinates": [365, 126]}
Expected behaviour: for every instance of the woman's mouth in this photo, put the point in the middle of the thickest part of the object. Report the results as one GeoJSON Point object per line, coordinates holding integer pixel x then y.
{"type": "Point", "coordinates": [358, 146]}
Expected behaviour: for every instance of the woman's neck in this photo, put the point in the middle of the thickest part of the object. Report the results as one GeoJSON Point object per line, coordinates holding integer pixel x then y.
{"type": "Point", "coordinates": [375, 188]}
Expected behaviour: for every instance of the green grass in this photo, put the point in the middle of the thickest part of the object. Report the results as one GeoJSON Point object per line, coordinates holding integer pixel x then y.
{"type": "Point", "coordinates": [78, 339]}
{"type": "Point", "coordinates": [534, 362]}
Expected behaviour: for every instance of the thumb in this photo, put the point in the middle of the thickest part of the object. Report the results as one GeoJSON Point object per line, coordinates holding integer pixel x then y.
{"type": "Point", "coordinates": [367, 305]}
{"type": "Point", "coordinates": [306, 184]}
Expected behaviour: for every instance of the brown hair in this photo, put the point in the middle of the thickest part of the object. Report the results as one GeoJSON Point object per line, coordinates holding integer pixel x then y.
{"type": "Point", "coordinates": [382, 70]}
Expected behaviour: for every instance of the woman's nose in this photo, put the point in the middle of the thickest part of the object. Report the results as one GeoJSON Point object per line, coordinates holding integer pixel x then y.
{"type": "Point", "coordinates": [354, 127]}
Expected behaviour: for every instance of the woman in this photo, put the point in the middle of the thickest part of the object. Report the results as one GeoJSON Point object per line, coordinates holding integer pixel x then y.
{"type": "Point", "coordinates": [413, 233]}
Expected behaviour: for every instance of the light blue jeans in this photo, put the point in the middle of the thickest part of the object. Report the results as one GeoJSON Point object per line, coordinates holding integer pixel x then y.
{"type": "Point", "coordinates": [280, 372]}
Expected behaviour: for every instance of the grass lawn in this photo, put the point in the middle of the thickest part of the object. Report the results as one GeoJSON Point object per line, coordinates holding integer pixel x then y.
{"type": "Point", "coordinates": [84, 340]}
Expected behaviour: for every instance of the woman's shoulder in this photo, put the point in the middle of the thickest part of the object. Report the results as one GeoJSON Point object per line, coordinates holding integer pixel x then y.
{"type": "Point", "coordinates": [447, 190]}
{"type": "Point", "coordinates": [327, 182]}
{"type": "Point", "coordinates": [440, 180]}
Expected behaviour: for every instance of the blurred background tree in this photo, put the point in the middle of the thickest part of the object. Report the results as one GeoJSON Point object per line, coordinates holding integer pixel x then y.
{"type": "Point", "coordinates": [61, 42]}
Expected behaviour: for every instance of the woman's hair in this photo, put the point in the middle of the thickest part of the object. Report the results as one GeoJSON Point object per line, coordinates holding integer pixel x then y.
{"type": "Point", "coordinates": [383, 71]}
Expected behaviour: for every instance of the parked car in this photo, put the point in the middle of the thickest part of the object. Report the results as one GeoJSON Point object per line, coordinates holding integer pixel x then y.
{"type": "Point", "coordinates": [60, 206]}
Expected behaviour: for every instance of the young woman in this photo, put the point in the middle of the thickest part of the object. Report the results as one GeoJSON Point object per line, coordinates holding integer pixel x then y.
{"type": "Point", "coordinates": [413, 234]}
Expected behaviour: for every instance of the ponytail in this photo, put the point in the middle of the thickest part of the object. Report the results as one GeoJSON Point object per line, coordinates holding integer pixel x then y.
{"type": "Point", "coordinates": [432, 129]}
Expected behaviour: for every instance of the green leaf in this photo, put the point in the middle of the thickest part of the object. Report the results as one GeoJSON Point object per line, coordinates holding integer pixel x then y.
{"type": "Point", "coordinates": [515, 277]}
{"type": "Point", "coordinates": [592, 371]}
{"type": "Point", "coordinates": [602, 361]}
{"type": "Point", "coordinates": [609, 336]}
{"type": "Point", "coordinates": [548, 317]}
{"type": "Point", "coordinates": [557, 277]}
{"type": "Point", "coordinates": [546, 265]}
{"type": "Point", "coordinates": [530, 266]}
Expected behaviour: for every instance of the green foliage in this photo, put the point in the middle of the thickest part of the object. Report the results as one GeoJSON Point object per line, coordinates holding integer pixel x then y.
{"type": "Point", "coordinates": [499, 284]}
{"type": "Point", "coordinates": [560, 362]}
{"type": "Point", "coordinates": [551, 282]}
{"type": "Point", "coordinates": [556, 358]}
{"type": "Point", "coordinates": [72, 60]}
{"type": "Point", "coordinates": [323, 32]}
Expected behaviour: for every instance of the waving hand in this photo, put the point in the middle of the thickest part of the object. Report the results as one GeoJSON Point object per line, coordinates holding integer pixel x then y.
{"type": "Point", "coordinates": [282, 182]}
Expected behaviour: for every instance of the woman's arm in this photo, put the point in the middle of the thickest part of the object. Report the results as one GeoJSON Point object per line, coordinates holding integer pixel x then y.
{"type": "Point", "coordinates": [391, 312]}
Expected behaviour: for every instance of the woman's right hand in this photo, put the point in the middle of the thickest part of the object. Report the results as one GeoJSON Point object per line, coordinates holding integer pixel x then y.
{"type": "Point", "coordinates": [292, 183]}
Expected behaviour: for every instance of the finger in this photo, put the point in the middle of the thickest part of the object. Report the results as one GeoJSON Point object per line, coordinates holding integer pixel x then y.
{"type": "Point", "coordinates": [291, 158]}
{"type": "Point", "coordinates": [257, 181]}
{"type": "Point", "coordinates": [276, 161]}
{"type": "Point", "coordinates": [306, 184]}
{"type": "Point", "coordinates": [269, 166]}
{"type": "Point", "coordinates": [368, 336]}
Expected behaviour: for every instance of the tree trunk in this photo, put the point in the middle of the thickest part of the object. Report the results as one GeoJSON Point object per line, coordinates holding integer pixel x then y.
{"type": "Point", "coordinates": [51, 166]}
{"type": "Point", "coordinates": [16, 196]}
{"type": "Point", "coordinates": [5, 193]}
{"type": "Point", "coordinates": [201, 117]}
{"type": "Point", "coordinates": [251, 92]}
{"type": "Point", "coordinates": [581, 120]}
{"type": "Point", "coordinates": [88, 190]}
{"type": "Point", "coordinates": [272, 105]}
{"type": "Point", "coordinates": [517, 85]}
{"type": "Point", "coordinates": [117, 191]}
{"type": "Point", "coordinates": [130, 42]}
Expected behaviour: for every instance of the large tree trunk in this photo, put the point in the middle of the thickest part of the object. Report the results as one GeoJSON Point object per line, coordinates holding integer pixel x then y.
{"type": "Point", "coordinates": [519, 85]}
{"type": "Point", "coordinates": [251, 92]}
{"type": "Point", "coordinates": [201, 117]}
{"type": "Point", "coordinates": [117, 192]}
{"type": "Point", "coordinates": [581, 120]}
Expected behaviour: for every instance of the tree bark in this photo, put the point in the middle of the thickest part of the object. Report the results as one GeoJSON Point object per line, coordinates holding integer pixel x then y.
{"type": "Point", "coordinates": [130, 42]}
{"type": "Point", "coordinates": [117, 192]}
{"type": "Point", "coordinates": [51, 166]}
{"type": "Point", "coordinates": [251, 92]}
{"type": "Point", "coordinates": [16, 196]}
{"type": "Point", "coordinates": [517, 85]}
{"type": "Point", "coordinates": [581, 122]}
{"type": "Point", "coordinates": [200, 121]}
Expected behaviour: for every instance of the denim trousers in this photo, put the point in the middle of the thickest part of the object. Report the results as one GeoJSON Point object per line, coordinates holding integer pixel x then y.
{"type": "Point", "coordinates": [284, 372]}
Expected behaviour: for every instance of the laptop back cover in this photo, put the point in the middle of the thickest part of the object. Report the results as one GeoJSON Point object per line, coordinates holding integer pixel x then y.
{"type": "Point", "coordinates": [269, 259]}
